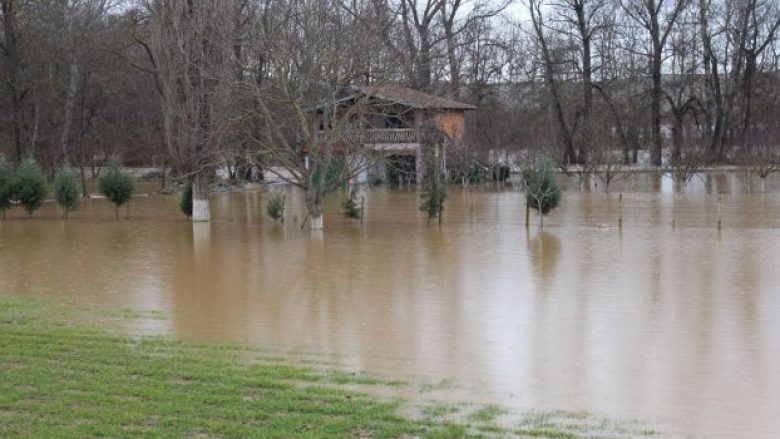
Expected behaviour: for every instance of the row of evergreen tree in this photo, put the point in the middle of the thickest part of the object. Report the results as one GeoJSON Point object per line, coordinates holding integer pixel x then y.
{"type": "Point", "coordinates": [27, 186]}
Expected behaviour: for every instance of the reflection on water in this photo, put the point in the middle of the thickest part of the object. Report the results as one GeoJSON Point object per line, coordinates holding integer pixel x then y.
{"type": "Point", "coordinates": [544, 249]}
{"type": "Point", "coordinates": [680, 325]}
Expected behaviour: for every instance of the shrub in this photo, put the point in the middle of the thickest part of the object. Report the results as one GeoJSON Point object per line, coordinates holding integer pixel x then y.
{"type": "Point", "coordinates": [434, 192]}
{"type": "Point", "coordinates": [29, 187]}
{"type": "Point", "coordinates": [185, 204]}
{"type": "Point", "coordinates": [543, 193]}
{"type": "Point", "coordinates": [116, 185]}
{"type": "Point", "coordinates": [66, 191]}
{"type": "Point", "coordinates": [6, 184]}
{"type": "Point", "coordinates": [351, 208]}
{"type": "Point", "coordinates": [432, 200]}
{"type": "Point", "coordinates": [276, 205]}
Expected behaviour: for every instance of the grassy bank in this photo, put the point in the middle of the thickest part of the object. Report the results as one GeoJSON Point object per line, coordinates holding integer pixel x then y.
{"type": "Point", "coordinates": [59, 378]}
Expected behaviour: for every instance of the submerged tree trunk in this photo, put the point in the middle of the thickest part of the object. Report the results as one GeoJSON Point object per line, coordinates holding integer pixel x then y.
{"type": "Point", "coordinates": [317, 222]}
{"type": "Point", "coordinates": [200, 198]}
{"type": "Point", "coordinates": [314, 207]}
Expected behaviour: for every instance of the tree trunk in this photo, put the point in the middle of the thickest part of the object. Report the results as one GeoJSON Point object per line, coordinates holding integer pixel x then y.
{"type": "Point", "coordinates": [70, 104]}
{"type": "Point", "coordinates": [424, 64]}
{"type": "Point", "coordinates": [12, 63]}
{"type": "Point", "coordinates": [549, 73]}
{"type": "Point", "coordinates": [747, 92]}
{"type": "Point", "coordinates": [200, 198]}
{"type": "Point", "coordinates": [314, 207]}
{"type": "Point", "coordinates": [83, 173]}
{"type": "Point", "coordinates": [713, 124]}
{"type": "Point", "coordinates": [452, 57]}
{"type": "Point", "coordinates": [655, 109]}
{"type": "Point", "coordinates": [316, 222]}
{"type": "Point", "coordinates": [587, 83]}
{"type": "Point", "coordinates": [677, 139]}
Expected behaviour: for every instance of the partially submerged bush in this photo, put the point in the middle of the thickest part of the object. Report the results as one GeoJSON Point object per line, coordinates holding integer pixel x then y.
{"type": "Point", "coordinates": [66, 191]}
{"type": "Point", "coordinates": [6, 184]}
{"type": "Point", "coordinates": [351, 208]}
{"type": "Point", "coordinates": [185, 204]}
{"type": "Point", "coordinates": [543, 193]}
{"type": "Point", "coordinates": [116, 185]}
{"type": "Point", "coordinates": [276, 205]}
{"type": "Point", "coordinates": [434, 191]}
{"type": "Point", "coordinates": [29, 186]}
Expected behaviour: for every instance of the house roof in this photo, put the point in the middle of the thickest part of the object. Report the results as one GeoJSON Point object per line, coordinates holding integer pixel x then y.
{"type": "Point", "coordinates": [411, 97]}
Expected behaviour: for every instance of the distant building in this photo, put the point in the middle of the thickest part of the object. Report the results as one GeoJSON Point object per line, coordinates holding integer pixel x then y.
{"type": "Point", "coordinates": [391, 125]}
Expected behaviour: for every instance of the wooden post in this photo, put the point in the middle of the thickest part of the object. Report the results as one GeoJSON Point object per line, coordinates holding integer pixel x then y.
{"type": "Point", "coordinates": [620, 220]}
{"type": "Point", "coordinates": [720, 212]}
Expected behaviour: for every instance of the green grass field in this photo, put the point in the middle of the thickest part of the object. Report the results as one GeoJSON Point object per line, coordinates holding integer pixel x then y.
{"type": "Point", "coordinates": [62, 378]}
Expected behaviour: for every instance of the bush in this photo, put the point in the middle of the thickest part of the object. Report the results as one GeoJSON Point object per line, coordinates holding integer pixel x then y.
{"type": "Point", "coordinates": [116, 185]}
{"type": "Point", "coordinates": [543, 193]}
{"type": "Point", "coordinates": [66, 191]}
{"type": "Point", "coordinates": [6, 184]}
{"type": "Point", "coordinates": [434, 191]}
{"type": "Point", "coordinates": [352, 209]}
{"type": "Point", "coordinates": [185, 204]}
{"type": "Point", "coordinates": [29, 186]}
{"type": "Point", "coordinates": [276, 205]}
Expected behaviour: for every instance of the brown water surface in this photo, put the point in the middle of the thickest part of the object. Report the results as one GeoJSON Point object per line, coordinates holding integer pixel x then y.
{"type": "Point", "coordinates": [667, 318]}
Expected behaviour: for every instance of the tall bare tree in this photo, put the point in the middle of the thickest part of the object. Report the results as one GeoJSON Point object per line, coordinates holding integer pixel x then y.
{"type": "Point", "coordinates": [9, 47]}
{"type": "Point", "coordinates": [658, 18]}
{"type": "Point", "coordinates": [314, 51]}
{"type": "Point", "coordinates": [192, 46]}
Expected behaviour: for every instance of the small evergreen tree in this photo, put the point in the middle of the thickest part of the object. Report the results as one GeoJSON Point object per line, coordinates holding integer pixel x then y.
{"type": "Point", "coordinates": [66, 191]}
{"type": "Point", "coordinates": [543, 192]}
{"type": "Point", "coordinates": [29, 186]}
{"type": "Point", "coordinates": [434, 191]}
{"type": "Point", "coordinates": [185, 204]}
{"type": "Point", "coordinates": [116, 185]}
{"type": "Point", "coordinates": [6, 184]}
{"type": "Point", "coordinates": [276, 205]}
{"type": "Point", "coordinates": [352, 209]}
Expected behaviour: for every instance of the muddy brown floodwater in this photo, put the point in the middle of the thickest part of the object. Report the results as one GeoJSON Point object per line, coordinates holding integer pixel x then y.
{"type": "Point", "coordinates": [667, 318]}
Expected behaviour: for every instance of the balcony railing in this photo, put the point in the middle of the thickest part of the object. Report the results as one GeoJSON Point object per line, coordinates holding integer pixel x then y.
{"type": "Point", "coordinates": [385, 135]}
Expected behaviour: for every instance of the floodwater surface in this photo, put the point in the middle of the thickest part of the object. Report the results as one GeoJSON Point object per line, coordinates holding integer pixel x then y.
{"type": "Point", "coordinates": [668, 318]}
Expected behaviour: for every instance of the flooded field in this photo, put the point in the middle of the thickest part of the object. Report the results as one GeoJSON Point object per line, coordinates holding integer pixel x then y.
{"type": "Point", "coordinates": [668, 319]}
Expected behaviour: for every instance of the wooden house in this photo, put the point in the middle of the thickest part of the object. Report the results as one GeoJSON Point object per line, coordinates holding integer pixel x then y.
{"type": "Point", "coordinates": [393, 126]}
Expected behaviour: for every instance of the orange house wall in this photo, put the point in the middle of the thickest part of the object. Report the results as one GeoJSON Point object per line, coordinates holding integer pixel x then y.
{"type": "Point", "coordinates": [452, 123]}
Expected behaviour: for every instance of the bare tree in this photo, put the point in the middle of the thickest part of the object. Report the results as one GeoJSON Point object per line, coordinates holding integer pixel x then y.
{"type": "Point", "coordinates": [9, 47]}
{"type": "Point", "coordinates": [418, 21]}
{"type": "Point", "coordinates": [192, 51]}
{"type": "Point", "coordinates": [658, 18]}
{"type": "Point", "coordinates": [537, 19]}
{"type": "Point", "coordinates": [455, 31]}
{"type": "Point", "coordinates": [582, 20]}
{"type": "Point", "coordinates": [304, 121]}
